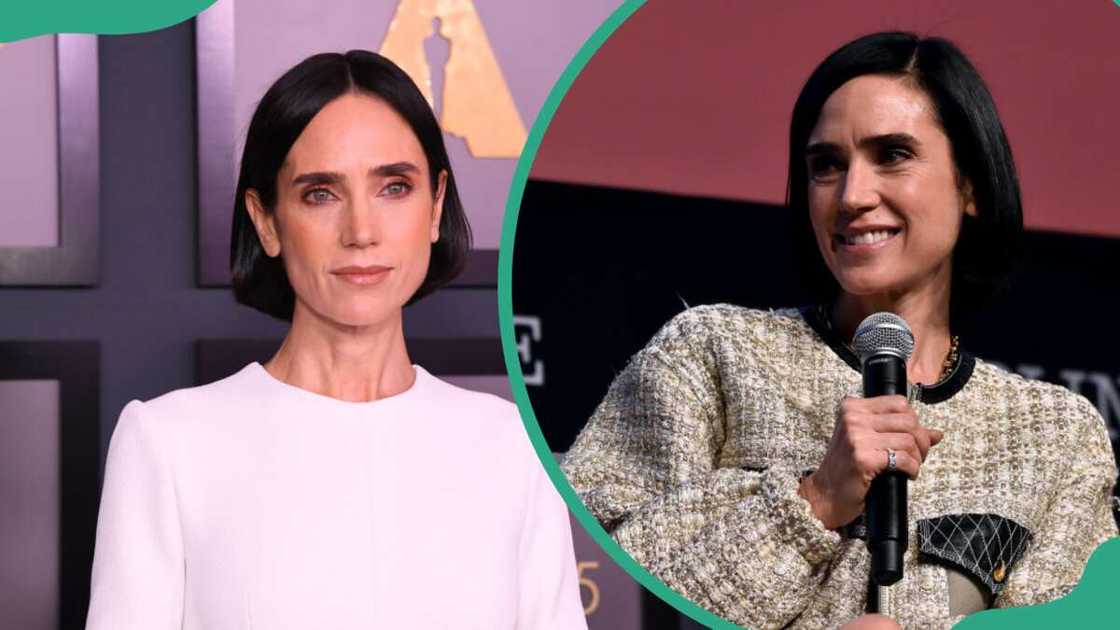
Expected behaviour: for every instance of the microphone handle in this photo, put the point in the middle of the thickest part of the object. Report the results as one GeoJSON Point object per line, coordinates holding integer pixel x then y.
{"type": "Point", "coordinates": [885, 375]}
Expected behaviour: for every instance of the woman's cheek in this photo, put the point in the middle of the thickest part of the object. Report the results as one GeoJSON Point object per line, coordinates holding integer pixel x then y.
{"type": "Point", "coordinates": [304, 252]}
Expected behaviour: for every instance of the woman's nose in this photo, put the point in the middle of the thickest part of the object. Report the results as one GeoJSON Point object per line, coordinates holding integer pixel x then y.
{"type": "Point", "coordinates": [360, 225]}
{"type": "Point", "coordinates": [859, 188]}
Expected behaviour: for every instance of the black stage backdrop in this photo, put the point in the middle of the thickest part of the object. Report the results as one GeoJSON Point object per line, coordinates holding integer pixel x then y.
{"type": "Point", "coordinates": [597, 271]}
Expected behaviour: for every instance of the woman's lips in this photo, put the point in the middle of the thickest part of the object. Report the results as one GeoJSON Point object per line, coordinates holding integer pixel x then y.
{"type": "Point", "coordinates": [362, 276]}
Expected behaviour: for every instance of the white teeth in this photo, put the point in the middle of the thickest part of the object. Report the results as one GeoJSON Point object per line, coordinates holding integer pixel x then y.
{"type": "Point", "coordinates": [867, 238]}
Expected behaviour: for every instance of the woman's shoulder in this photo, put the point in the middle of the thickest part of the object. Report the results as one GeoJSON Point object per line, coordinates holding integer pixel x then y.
{"type": "Point", "coordinates": [462, 402]}
{"type": "Point", "coordinates": [464, 415]}
{"type": "Point", "coordinates": [1052, 402]}
{"type": "Point", "coordinates": [703, 346]}
{"type": "Point", "coordinates": [212, 401]}
{"type": "Point", "coordinates": [182, 420]}
{"type": "Point", "coordinates": [720, 320]}
{"type": "Point", "coordinates": [723, 313]}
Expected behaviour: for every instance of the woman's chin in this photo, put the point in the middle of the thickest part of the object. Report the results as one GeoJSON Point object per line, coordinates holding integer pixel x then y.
{"type": "Point", "coordinates": [364, 316]}
{"type": "Point", "coordinates": [868, 285]}
{"type": "Point", "coordinates": [355, 309]}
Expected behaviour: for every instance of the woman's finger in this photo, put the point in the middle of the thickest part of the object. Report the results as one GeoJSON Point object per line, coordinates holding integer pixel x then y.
{"type": "Point", "coordinates": [902, 442]}
{"type": "Point", "coordinates": [903, 461]}
{"type": "Point", "coordinates": [895, 423]}
{"type": "Point", "coordinates": [884, 404]}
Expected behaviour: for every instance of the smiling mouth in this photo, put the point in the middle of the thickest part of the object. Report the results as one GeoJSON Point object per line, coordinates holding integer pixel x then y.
{"type": "Point", "coordinates": [873, 237]}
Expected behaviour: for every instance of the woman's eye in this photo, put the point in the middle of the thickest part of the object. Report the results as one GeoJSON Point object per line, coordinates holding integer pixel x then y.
{"type": "Point", "coordinates": [397, 189]}
{"type": "Point", "coordinates": [894, 155]}
{"type": "Point", "coordinates": [318, 196]}
{"type": "Point", "coordinates": [823, 166]}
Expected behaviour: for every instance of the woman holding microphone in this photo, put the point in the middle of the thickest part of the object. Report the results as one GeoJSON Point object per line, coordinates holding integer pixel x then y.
{"type": "Point", "coordinates": [732, 457]}
{"type": "Point", "coordinates": [338, 485]}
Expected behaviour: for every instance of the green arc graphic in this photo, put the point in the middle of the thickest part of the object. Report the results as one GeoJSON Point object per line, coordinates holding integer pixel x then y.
{"type": "Point", "coordinates": [1087, 606]}
{"type": "Point", "coordinates": [509, 344]}
{"type": "Point", "coordinates": [29, 18]}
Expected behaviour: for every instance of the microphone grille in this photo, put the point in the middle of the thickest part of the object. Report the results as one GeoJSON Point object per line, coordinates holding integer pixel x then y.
{"type": "Point", "coordinates": [883, 333]}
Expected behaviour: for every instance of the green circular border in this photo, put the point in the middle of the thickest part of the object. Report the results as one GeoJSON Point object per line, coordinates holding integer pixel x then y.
{"type": "Point", "coordinates": [509, 344]}
{"type": "Point", "coordinates": [1080, 606]}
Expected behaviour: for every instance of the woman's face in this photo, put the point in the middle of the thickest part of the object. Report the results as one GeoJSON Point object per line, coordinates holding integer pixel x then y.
{"type": "Point", "coordinates": [885, 200]}
{"type": "Point", "coordinates": [355, 216]}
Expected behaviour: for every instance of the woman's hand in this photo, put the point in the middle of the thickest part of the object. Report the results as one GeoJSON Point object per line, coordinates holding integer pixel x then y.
{"type": "Point", "coordinates": [865, 429]}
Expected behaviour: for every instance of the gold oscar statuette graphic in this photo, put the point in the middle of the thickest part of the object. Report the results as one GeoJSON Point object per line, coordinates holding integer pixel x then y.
{"type": "Point", "coordinates": [476, 103]}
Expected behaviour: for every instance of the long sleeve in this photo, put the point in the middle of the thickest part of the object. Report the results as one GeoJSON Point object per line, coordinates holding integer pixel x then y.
{"type": "Point", "coordinates": [549, 595]}
{"type": "Point", "coordinates": [1078, 519]}
{"type": "Point", "coordinates": [740, 543]}
{"type": "Point", "coordinates": [138, 569]}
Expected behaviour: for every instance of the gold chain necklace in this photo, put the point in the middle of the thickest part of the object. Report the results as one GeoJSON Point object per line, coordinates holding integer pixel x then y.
{"type": "Point", "coordinates": [950, 358]}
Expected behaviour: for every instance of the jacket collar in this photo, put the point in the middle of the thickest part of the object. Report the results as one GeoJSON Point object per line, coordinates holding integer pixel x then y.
{"type": "Point", "coordinates": [818, 319]}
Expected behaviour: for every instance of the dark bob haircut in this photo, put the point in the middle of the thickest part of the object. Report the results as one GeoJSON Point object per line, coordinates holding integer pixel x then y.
{"type": "Point", "coordinates": [285, 110]}
{"type": "Point", "coordinates": [990, 243]}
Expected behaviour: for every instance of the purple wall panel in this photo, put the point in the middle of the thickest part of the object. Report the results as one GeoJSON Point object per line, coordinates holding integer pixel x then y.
{"type": "Point", "coordinates": [29, 152]}
{"type": "Point", "coordinates": [29, 496]}
{"type": "Point", "coordinates": [49, 163]}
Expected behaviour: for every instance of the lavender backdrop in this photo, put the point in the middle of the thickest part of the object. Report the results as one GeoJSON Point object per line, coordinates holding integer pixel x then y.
{"type": "Point", "coordinates": [29, 531]}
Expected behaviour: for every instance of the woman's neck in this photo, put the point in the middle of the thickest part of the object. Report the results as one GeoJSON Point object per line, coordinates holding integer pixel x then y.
{"type": "Point", "coordinates": [356, 364]}
{"type": "Point", "coordinates": [926, 312]}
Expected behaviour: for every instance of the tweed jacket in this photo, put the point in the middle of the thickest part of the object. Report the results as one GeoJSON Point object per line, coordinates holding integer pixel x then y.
{"type": "Point", "coordinates": [693, 460]}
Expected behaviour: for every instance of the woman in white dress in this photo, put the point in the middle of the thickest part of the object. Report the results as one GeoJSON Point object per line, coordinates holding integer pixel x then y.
{"type": "Point", "coordinates": [338, 485]}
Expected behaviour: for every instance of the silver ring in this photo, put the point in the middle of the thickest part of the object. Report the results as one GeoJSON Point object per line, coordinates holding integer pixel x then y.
{"type": "Point", "coordinates": [892, 463]}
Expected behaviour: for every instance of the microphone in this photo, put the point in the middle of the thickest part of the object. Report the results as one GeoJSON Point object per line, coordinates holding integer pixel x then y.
{"type": "Point", "coordinates": [884, 342]}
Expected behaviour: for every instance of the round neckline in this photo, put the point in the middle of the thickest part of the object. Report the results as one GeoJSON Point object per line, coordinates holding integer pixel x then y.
{"type": "Point", "coordinates": [420, 380]}
{"type": "Point", "coordinates": [817, 319]}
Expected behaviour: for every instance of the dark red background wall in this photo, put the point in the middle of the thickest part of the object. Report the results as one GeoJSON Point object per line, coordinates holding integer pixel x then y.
{"type": "Point", "coordinates": [694, 97]}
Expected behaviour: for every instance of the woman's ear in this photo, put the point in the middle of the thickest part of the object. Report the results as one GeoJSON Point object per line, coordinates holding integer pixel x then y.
{"type": "Point", "coordinates": [264, 222]}
{"type": "Point", "coordinates": [437, 206]}
{"type": "Point", "coordinates": [968, 201]}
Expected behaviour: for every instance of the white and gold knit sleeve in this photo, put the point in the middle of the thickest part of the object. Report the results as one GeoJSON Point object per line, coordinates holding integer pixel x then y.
{"type": "Point", "coordinates": [739, 543]}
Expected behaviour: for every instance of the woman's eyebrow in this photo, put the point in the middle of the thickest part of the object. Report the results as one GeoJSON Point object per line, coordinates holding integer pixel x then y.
{"type": "Point", "coordinates": [817, 148]}
{"type": "Point", "coordinates": [395, 168]}
{"type": "Point", "coordinates": [874, 142]}
{"type": "Point", "coordinates": [330, 177]}
{"type": "Point", "coordinates": [889, 140]}
{"type": "Point", "coordinates": [319, 177]}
